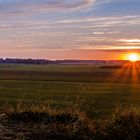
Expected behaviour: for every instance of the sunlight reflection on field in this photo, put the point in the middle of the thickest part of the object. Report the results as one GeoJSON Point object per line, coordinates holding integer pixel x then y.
{"type": "Point", "coordinates": [129, 73]}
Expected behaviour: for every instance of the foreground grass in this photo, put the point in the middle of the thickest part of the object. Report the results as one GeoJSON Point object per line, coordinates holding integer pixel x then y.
{"type": "Point", "coordinates": [29, 122]}
{"type": "Point", "coordinates": [96, 99]}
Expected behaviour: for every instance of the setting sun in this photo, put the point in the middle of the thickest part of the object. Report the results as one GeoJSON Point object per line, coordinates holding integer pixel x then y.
{"type": "Point", "coordinates": [133, 57]}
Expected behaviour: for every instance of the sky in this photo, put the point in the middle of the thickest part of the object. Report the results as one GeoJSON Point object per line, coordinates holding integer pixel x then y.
{"type": "Point", "coordinates": [69, 29]}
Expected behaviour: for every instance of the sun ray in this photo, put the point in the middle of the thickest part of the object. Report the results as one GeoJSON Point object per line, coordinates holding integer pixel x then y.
{"type": "Point", "coordinates": [120, 73]}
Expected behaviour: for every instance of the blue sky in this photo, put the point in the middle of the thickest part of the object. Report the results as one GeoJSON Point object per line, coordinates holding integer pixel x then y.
{"type": "Point", "coordinates": [69, 29]}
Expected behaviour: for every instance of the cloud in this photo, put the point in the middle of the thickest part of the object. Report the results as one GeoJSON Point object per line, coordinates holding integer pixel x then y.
{"type": "Point", "coordinates": [105, 21]}
{"type": "Point", "coordinates": [130, 40]}
{"type": "Point", "coordinates": [23, 25]}
{"type": "Point", "coordinates": [110, 48]}
{"type": "Point", "coordinates": [98, 33]}
{"type": "Point", "coordinates": [17, 7]}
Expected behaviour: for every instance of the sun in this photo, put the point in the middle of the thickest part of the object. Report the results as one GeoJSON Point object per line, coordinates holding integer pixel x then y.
{"type": "Point", "coordinates": [133, 57]}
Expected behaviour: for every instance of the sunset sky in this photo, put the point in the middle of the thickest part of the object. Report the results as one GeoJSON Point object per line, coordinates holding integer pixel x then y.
{"type": "Point", "coordinates": [69, 29]}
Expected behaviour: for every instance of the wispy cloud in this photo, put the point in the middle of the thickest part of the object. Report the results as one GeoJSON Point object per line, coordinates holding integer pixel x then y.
{"type": "Point", "coordinates": [27, 7]}
{"type": "Point", "coordinates": [110, 48]}
{"type": "Point", "coordinates": [130, 40]}
{"type": "Point", "coordinates": [18, 7]}
{"type": "Point", "coordinates": [105, 21]}
{"type": "Point", "coordinates": [15, 25]}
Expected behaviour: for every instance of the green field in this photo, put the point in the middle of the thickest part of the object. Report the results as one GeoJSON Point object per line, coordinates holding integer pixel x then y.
{"type": "Point", "coordinates": [97, 91]}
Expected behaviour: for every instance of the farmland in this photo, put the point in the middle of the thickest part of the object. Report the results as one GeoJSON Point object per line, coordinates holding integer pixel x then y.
{"type": "Point", "coordinates": [97, 91]}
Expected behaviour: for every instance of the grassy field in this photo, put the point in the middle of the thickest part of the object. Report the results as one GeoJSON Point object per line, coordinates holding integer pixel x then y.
{"type": "Point", "coordinates": [97, 91]}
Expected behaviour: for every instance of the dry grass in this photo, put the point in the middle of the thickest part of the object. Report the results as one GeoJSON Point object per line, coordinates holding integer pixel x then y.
{"type": "Point", "coordinates": [29, 122]}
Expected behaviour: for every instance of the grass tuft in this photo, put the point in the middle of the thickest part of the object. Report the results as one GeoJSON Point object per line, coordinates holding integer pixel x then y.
{"type": "Point", "coordinates": [30, 122]}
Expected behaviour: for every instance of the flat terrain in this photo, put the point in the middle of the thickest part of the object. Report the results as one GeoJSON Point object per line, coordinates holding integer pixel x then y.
{"type": "Point", "coordinates": [95, 89]}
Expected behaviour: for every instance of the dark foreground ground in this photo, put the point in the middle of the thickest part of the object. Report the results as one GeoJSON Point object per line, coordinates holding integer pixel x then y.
{"type": "Point", "coordinates": [28, 122]}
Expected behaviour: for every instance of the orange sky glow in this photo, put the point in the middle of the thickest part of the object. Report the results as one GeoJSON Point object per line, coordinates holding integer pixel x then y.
{"type": "Point", "coordinates": [69, 29]}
